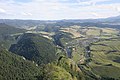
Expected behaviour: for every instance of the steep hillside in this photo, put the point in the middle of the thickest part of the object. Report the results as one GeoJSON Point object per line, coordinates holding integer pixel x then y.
{"type": "Point", "coordinates": [35, 48]}
{"type": "Point", "coordinates": [14, 67]}
{"type": "Point", "coordinates": [53, 72]}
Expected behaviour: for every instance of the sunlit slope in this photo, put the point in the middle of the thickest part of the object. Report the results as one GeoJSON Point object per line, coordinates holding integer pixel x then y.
{"type": "Point", "coordinates": [106, 58]}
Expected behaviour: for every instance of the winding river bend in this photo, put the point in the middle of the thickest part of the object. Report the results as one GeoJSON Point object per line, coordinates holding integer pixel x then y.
{"type": "Point", "coordinates": [57, 42]}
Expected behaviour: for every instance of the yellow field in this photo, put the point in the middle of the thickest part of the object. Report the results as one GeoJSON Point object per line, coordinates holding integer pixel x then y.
{"type": "Point", "coordinates": [72, 31]}
{"type": "Point", "coordinates": [109, 31]}
{"type": "Point", "coordinates": [94, 32]}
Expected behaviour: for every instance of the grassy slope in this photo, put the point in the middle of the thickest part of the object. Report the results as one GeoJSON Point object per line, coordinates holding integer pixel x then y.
{"type": "Point", "coordinates": [102, 59]}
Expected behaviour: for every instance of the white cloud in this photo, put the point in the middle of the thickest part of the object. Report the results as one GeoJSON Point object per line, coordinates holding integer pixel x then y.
{"type": "Point", "coordinates": [117, 9]}
{"type": "Point", "coordinates": [54, 9]}
{"type": "Point", "coordinates": [90, 2]}
{"type": "Point", "coordinates": [95, 14]}
{"type": "Point", "coordinates": [2, 10]}
{"type": "Point", "coordinates": [26, 14]}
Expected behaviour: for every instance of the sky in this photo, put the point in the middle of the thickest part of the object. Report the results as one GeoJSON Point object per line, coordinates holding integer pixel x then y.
{"type": "Point", "coordinates": [58, 9]}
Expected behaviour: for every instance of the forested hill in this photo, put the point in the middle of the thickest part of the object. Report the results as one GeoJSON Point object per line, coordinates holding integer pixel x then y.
{"type": "Point", "coordinates": [14, 67]}
{"type": "Point", "coordinates": [35, 48]}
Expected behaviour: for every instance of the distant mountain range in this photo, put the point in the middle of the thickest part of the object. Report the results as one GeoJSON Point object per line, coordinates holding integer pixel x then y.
{"type": "Point", "coordinates": [115, 19]}
{"type": "Point", "coordinates": [113, 22]}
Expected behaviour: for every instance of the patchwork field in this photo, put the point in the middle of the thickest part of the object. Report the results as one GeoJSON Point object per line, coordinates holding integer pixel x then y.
{"type": "Point", "coordinates": [106, 58]}
{"type": "Point", "coordinates": [78, 32]}
{"type": "Point", "coordinates": [94, 32]}
{"type": "Point", "coordinates": [72, 31]}
{"type": "Point", "coordinates": [109, 30]}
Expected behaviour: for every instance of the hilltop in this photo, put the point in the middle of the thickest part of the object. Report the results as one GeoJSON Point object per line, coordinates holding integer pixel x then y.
{"type": "Point", "coordinates": [35, 48]}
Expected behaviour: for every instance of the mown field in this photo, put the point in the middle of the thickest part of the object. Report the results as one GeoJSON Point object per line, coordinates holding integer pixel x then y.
{"type": "Point", "coordinates": [86, 32]}
{"type": "Point", "coordinates": [106, 58]}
